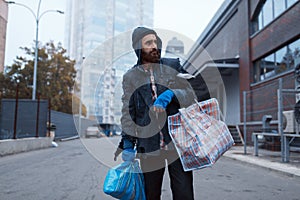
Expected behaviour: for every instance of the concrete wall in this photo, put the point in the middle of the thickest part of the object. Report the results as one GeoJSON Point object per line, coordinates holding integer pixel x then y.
{"type": "Point", "coordinates": [231, 82]}
{"type": "Point", "coordinates": [11, 146]}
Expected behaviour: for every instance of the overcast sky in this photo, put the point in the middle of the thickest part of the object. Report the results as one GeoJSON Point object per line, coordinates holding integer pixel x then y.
{"type": "Point", "coordinates": [187, 17]}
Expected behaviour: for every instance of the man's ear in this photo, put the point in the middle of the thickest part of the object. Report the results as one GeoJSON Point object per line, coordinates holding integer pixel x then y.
{"type": "Point", "coordinates": [159, 43]}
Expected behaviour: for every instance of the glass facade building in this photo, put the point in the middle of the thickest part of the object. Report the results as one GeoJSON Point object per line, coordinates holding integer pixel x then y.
{"type": "Point", "coordinates": [98, 37]}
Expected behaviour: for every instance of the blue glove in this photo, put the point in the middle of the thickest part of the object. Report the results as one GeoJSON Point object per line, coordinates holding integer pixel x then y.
{"type": "Point", "coordinates": [127, 144]}
{"type": "Point", "coordinates": [128, 155]}
{"type": "Point", "coordinates": [164, 99]}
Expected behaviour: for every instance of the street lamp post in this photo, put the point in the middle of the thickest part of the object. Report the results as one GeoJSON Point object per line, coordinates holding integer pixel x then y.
{"type": "Point", "coordinates": [37, 18]}
{"type": "Point", "coordinates": [16, 110]}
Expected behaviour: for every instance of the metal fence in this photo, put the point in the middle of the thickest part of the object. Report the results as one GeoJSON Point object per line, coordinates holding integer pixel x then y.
{"type": "Point", "coordinates": [277, 100]}
{"type": "Point", "coordinates": [67, 125]}
{"type": "Point", "coordinates": [23, 118]}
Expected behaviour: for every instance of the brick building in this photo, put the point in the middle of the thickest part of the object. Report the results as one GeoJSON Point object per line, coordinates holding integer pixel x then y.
{"type": "Point", "coordinates": [3, 23]}
{"type": "Point", "coordinates": [246, 48]}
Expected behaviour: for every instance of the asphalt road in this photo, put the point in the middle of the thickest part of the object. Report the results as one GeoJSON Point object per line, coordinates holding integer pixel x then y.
{"type": "Point", "coordinates": [76, 169]}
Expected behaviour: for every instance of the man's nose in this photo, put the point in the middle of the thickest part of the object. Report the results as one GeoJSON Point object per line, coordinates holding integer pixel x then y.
{"type": "Point", "coordinates": [153, 45]}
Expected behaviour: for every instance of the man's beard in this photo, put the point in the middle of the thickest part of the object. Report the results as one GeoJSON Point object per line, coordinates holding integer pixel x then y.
{"type": "Point", "coordinates": [152, 57]}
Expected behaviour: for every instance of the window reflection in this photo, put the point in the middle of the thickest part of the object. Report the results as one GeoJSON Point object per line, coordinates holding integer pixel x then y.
{"type": "Point", "coordinates": [290, 2]}
{"type": "Point", "coordinates": [279, 58]}
{"type": "Point", "coordinates": [285, 59]}
{"type": "Point", "coordinates": [260, 21]}
{"type": "Point", "coordinates": [267, 12]}
{"type": "Point", "coordinates": [279, 7]}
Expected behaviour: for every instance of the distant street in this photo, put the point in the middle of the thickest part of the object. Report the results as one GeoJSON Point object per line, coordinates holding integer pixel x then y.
{"type": "Point", "coordinates": [73, 172]}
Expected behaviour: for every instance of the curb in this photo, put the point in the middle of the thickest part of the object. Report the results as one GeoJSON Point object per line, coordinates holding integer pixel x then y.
{"type": "Point", "coordinates": [283, 168]}
{"type": "Point", "coordinates": [69, 138]}
{"type": "Point", "coordinates": [13, 146]}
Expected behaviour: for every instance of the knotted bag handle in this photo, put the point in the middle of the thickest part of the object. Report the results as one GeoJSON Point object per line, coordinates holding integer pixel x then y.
{"type": "Point", "coordinates": [219, 112]}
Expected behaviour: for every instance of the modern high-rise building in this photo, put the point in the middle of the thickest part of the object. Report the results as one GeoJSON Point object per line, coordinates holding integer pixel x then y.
{"type": "Point", "coordinates": [3, 24]}
{"type": "Point", "coordinates": [98, 37]}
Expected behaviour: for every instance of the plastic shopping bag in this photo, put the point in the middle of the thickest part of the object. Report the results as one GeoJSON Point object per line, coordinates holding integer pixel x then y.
{"type": "Point", "coordinates": [199, 136]}
{"type": "Point", "coordinates": [125, 182]}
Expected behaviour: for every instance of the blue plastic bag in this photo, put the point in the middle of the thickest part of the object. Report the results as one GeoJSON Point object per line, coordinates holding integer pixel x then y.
{"type": "Point", "coordinates": [125, 182]}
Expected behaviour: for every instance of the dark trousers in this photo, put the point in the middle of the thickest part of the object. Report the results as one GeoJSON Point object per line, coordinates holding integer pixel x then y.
{"type": "Point", "coordinates": [153, 169]}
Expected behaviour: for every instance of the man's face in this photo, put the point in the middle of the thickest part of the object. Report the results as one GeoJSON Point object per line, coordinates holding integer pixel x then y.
{"type": "Point", "coordinates": [150, 52]}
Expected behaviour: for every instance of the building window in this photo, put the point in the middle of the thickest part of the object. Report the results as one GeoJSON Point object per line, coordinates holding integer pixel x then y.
{"type": "Point", "coordinates": [269, 11]}
{"type": "Point", "coordinates": [279, 7]}
{"type": "Point", "coordinates": [282, 60]}
{"type": "Point", "coordinates": [290, 2]}
{"type": "Point", "coordinates": [260, 21]}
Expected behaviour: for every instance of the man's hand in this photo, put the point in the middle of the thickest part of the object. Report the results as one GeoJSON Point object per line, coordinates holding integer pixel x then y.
{"type": "Point", "coordinates": [128, 155]}
{"type": "Point", "coordinates": [163, 101]}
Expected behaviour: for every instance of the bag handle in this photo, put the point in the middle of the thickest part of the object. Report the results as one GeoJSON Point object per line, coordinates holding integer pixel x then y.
{"type": "Point", "coordinates": [198, 105]}
{"type": "Point", "coordinates": [219, 115]}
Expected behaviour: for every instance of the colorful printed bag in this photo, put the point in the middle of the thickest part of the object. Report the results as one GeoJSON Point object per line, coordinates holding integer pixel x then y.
{"type": "Point", "coordinates": [199, 136]}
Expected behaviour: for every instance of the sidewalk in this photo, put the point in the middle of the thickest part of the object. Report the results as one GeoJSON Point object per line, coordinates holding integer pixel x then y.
{"type": "Point", "coordinates": [267, 159]}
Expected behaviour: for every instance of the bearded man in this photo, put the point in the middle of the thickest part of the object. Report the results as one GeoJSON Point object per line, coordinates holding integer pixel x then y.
{"type": "Point", "coordinates": [152, 90]}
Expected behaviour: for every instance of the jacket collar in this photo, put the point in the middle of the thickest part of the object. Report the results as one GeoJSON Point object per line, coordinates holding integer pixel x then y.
{"type": "Point", "coordinates": [141, 68]}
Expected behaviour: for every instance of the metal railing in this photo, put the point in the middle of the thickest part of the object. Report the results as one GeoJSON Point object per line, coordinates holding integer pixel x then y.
{"type": "Point", "coordinates": [255, 106]}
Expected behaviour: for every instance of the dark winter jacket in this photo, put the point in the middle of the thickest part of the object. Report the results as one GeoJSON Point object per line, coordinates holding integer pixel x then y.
{"type": "Point", "coordinates": [138, 122]}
